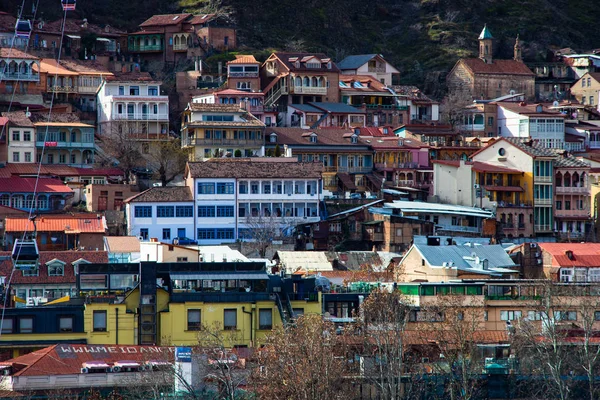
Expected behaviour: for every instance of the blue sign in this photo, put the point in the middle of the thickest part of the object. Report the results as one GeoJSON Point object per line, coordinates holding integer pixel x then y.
{"type": "Point", "coordinates": [183, 354]}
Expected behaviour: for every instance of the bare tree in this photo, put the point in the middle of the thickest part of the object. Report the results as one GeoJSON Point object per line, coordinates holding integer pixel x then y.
{"type": "Point", "coordinates": [167, 159]}
{"type": "Point", "coordinates": [452, 323]}
{"type": "Point", "coordinates": [307, 360]}
{"type": "Point", "coordinates": [215, 7]}
{"type": "Point", "coordinates": [263, 229]}
{"type": "Point", "coordinates": [453, 107]}
{"type": "Point", "coordinates": [384, 347]}
{"type": "Point", "coordinates": [221, 367]}
{"type": "Point", "coordinates": [120, 143]}
{"type": "Point", "coordinates": [539, 341]}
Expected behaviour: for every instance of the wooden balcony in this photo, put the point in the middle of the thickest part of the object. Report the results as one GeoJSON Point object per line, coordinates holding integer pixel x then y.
{"type": "Point", "coordinates": [572, 190]}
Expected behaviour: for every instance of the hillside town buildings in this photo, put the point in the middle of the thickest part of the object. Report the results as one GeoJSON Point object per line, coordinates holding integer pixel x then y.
{"type": "Point", "coordinates": [276, 186]}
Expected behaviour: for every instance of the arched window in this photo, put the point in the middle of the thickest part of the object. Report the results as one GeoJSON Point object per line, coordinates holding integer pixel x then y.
{"type": "Point", "coordinates": [153, 41]}
{"type": "Point", "coordinates": [567, 180]}
{"type": "Point", "coordinates": [306, 81]}
{"type": "Point", "coordinates": [576, 179]}
{"type": "Point", "coordinates": [17, 201]}
{"type": "Point", "coordinates": [315, 82]}
{"type": "Point", "coordinates": [321, 82]}
{"type": "Point", "coordinates": [298, 81]}
{"type": "Point", "coordinates": [42, 202]}
{"type": "Point", "coordinates": [254, 102]}
{"type": "Point", "coordinates": [146, 42]}
{"type": "Point", "coordinates": [176, 40]}
{"type": "Point", "coordinates": [5, 200]}
{"type": "Point", "coordinates": [558, 179]}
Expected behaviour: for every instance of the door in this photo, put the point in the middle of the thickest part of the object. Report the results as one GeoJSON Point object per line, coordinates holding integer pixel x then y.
{"type": "Point", "coordinates": [181, 232]}
{"type": "Point", "coordinates": [102, 203]}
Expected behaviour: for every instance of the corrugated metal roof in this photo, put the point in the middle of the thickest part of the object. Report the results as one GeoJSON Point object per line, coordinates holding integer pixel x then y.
{"type": "Point", "coordinates": [28, 185]}
{"type": "Point", "coordinates": [304, 260]}
{"type": "Point", "coordinates": [435, 208]}
{"type": "Point", "coordinates": [67, 225]}
{"type": "Point", "coordinates": [584, 254]}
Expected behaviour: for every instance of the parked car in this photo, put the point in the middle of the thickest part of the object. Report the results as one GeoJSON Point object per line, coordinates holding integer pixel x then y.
{"type": "Point", "coordinates": [184, 241]}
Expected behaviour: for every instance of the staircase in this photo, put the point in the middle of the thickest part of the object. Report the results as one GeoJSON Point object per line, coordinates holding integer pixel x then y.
{"type": "Point", "coordinates": [316, 124]}
{"type": "Point", "coordinates": [283, 313]}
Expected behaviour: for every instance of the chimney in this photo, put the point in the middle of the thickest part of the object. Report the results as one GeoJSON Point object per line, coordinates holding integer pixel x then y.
{"type": "Point", "coordinates": [154, 240]}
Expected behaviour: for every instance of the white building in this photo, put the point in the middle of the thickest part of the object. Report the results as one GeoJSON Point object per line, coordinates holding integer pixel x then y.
{"type": "Point", "coordinates": [522, 120]}
{"type": "Point", "coordinates": [21, 138]}
{"type": "Point", "coordinates": [163, 213]}
{"type": "Point", "coordinates": [132, 101]}
{"type": "Point", "coordinates": [233, 197]}
{"type": "Point", "coordinates": [225, 200]}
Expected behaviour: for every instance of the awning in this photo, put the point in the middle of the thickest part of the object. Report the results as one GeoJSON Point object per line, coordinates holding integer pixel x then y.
{"type": "Point", "coordinates": [222, 277]}
{"type": "Point", "coordinates": [347, 181]}
{"type": "Point", "coordinates": [503, 188]}
{"type": "Point", "coordinates": [101, 39]}
{"type": "Point", "coordinates": [74, 36]}
{"type": "Point", "coordinates": [376, 182]}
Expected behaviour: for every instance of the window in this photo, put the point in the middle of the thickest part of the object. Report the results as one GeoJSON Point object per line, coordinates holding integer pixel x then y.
{"type": "Point", "coordinates": [596, 318]}
{"type": "Point", "coordinates": [565, 315]}
{"type": "Point", "coordinates": [7, 325]}
{"type": "Point", "coordinates": [224, 211]}
{"type": "Point", "coordinates": [26, 325]}
{"type": "Point", "coordinates": [166, 233]}
{"type": "Point", "coordinates": [65, 324]}
{"type": "Point", "coordinates": [509, 315]}
{"type": "Point", "coordinates": [182, 259]}
{"type": "Point", "coordinates": [144, 233]}
{"type": "Point", "coordinates": [230, 319]}
{"type": "Point", "coordinates": [224, 188]}
{"type": "Point", "coordinates": [206, 233]}
{"type": "Point", "coordinates": [298, 312]}
{"type": "Point", "coordinates": [194, 322]}
{"type": "Point", "coordinates": [27, 156]}
{"type": "Point", "coordinates": [184, 211]}
{"type": "Point", "coordinates": [134, 90]}
{"type": "Point", "coordinates": [206, 211]}
{"type": "Point", "coordinates": [99, 318]}
{"type": "Point", "coordinates": [206, 188]}
{"type": "Point", "coordinates": [165, 212]}
{"type": "Point", "coordinates": [27, 136]}
{"type": "Point", "coordinates": [15, 157]}
{"type": "Point", "coordinates": [56, 269]}
{"type": "Point", "coordinates": [50, 158]}
{"type": "Point", "coordinates": [490, 121]}
{"type": "Point", "coordinates": [62, 159]}
{"type": "Point", "coordinates": [16, 136]}
{"type": "Point", "coordinates": [227, 233]}
{"type": "Point", "coordinates": [121, 92]}
{"type": "Point", "coordinates": [583, 100]}
{"type": "Point", "coordinates": [591, 100]}
{"type": "Point", "coordinates": [142, 211]}
{"type": "Point", "coordinates": [153, 91]}
{"type": "Point", "coordinates": [535, 315]}
{"type": "Point", "coordinates": [265, 319]}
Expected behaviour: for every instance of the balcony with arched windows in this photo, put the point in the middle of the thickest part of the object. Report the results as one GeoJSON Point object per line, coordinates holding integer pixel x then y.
{"type": "Point", "coordinates": [309, 84]}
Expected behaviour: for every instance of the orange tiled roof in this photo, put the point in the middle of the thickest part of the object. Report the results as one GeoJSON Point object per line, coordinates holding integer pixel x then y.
{"type": "Point", "coordinates": [244, 59]}
{"type": "Point", "coordinates": [67, 224]}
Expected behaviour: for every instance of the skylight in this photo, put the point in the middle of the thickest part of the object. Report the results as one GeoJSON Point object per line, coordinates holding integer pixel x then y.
{"type": "Point", "coordinates": [358, 85]}
{"type": "Point", "coordinates": [343, 85]}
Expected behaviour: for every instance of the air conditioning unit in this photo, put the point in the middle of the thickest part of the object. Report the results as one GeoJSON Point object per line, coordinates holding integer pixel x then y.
{"type": "Point", "coordinates": [476, 186]}
{"type": "Point", "coordinates": [84, 370]}
{"type": "Point", "coordinates": [115, 369]}
{"type": "Point", "coordinates": [533, 245]}
{"type": "Point", "coordinates": [539, 261]}
{"type": "Point", "coordinates": [6, 371]}
{"type": "Point", "coordinates": [537, 254]}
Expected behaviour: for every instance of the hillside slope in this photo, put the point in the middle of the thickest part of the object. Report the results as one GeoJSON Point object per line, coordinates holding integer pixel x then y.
{"type": "Point", "coordinates": [423, 38]}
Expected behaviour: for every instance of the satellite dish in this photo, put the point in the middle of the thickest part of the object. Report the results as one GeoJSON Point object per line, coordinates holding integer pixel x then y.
{"type": "Point", "coordinates": [555, 103]}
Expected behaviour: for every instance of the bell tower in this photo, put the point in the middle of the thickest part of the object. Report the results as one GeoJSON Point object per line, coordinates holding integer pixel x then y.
{"type": "Point", "coordinates": [486, 45]}
{"type": "Point", "coordinates": [518, 56]}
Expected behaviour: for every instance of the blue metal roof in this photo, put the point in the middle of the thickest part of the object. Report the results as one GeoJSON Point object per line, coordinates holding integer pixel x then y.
{"type": "Point", "coordinates": [337, 108]}
{"type": "Point", "coordinates": [485, 33]}
{"type": "Point", "coordinates": [306, 108]}
{"type": "Point", "coordinates": [353, 62]}
{"type": "Point", "coordinates": [463, 257]}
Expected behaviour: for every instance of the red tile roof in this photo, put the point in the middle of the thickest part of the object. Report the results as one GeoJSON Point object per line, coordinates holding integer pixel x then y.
{"type": "Point", "coordinates": [68, 257]}
{"type": "Point", "coordinates": [67, 359]}
{"type": "Point", "coordinates": [31, 169]}
{"type": "Point", "coordinates": [7, 52]}
{"type": "Point", "coordinates": [303, 57]}
{"type": "Point", "coordinates": [201, 19]}
{"type": "Point", "coordinates": [369, 84]}
{"type": "Point", "coordinates": [59, 223]}
{"type": "Point", "coordinates": [28, 185]}
{"type": "Point", "coordinates": [299, 136]}
{"type": "Point", "coordinates": [501, 67]}
{"type": "Point", "coordinates": [131, 77]}
{"type": "Point", "coordinates": [393, 142]}
{"type": "Point", "coordinates": [244, 59]}
{"type": "Point", "coordinates": [584, 254]}
{"type": "Point", "coordinates": [165, 19]}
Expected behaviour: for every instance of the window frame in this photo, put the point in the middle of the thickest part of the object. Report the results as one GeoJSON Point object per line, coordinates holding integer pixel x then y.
{"type": "Point", "coordinates": [25, 318]}
{"type": "Point", "coordinates": [100, 328]}
{"type": "Point", "coordinates": [230, 311]}
{"type": "Point", "coordinates": [265, 327]}
{"type": "Point", "coordinates": [198, 325]}
{"type": "Point", "coordinates": [64, 317]}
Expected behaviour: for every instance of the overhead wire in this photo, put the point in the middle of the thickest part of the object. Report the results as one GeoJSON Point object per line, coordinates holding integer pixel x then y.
{"type": "Point", "coordinates": [37, 179]}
